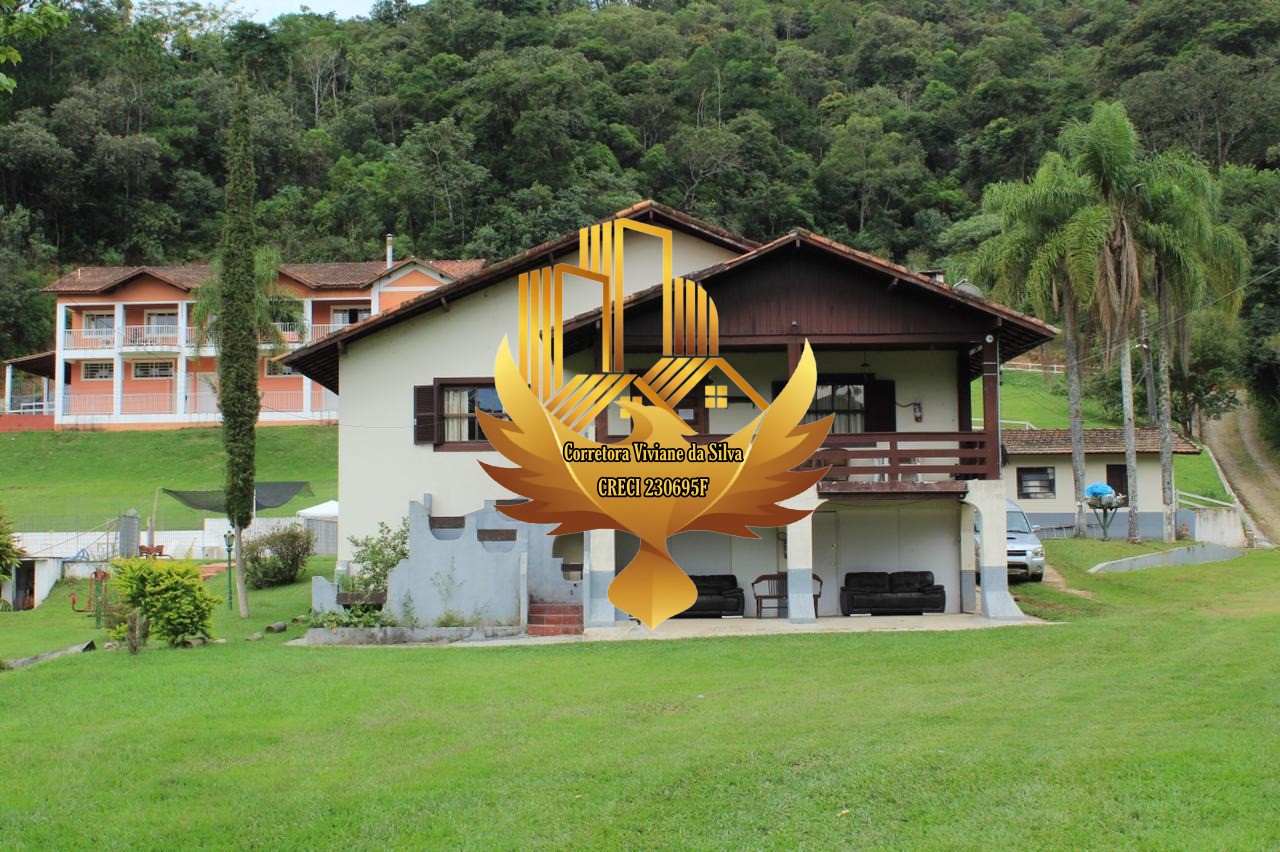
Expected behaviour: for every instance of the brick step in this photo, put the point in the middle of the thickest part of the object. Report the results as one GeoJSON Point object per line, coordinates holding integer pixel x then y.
{"type": "Point", "coordinates": [540, 618]}
{"type": "Point", "coordinates": [553, 630]}
{"type": "Point", "coordinates": [556, 609]}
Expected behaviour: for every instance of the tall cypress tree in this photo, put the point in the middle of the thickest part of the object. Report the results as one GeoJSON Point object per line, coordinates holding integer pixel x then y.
{"type": "Point", "coordinates": [238, 340]}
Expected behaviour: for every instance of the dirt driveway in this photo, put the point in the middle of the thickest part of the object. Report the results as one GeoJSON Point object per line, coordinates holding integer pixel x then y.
{"type": "Point", "coordinates": [1254, 476]}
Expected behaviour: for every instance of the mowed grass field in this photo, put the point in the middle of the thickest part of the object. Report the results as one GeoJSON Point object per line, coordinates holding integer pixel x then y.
{"type": "Point", "coordinates": [1150, 720]}
{"type": "Point", "coordinates": [51, 479]}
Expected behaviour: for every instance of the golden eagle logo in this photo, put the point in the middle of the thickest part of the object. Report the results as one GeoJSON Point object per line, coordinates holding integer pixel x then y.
{"type": "Point", "coordinates": [663, 478]}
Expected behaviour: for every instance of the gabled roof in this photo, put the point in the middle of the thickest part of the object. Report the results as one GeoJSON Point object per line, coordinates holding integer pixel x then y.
{"type": "Point", "coordinates": [319, 361]}
{"type": "Point", "coordinates": [1055, 442]}
{"type": "Point", "coordinates": [99, 279]}
{"type": "Point", "coordinates": [1022, 332]}
{"type": "Point", "coordinates": [318, 276]}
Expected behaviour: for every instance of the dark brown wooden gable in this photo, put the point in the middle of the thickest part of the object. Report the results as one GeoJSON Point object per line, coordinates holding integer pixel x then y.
{"type": "Point", "coordinates": [805, 291]}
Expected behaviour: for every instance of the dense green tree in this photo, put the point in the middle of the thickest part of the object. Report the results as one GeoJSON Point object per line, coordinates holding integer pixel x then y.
{"type": "Point", "coordinates": [21, 22]}
{"type": "Point", "coordinates": [237, 335]}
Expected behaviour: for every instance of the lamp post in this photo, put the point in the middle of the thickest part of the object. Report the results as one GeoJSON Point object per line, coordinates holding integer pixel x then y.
{"type": "Point", "coordinates": [230, 539]}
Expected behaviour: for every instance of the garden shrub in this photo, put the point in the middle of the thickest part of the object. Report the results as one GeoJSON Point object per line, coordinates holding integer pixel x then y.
{"type": "Point", "coordinates": [276, 558]}
{"type": "Point", "coordinates": [352, 617]}
{"type": "Point", "coordinates": [168, 594]}
{"type": "Point", "coordinates": [378, 554]}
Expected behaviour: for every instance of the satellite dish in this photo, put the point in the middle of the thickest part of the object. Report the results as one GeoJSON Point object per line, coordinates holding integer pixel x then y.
{"type": "Point", "coordinates": [968, 289]}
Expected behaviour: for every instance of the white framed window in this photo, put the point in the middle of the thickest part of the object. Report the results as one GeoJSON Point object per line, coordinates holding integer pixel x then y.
{"type": "Point", "coordinates": [161, 320]}
{"type": "Point", "coordinates": [348, 316]}
{"type": "Point", "coordinates": [275, 368]}
{"type": "Point", "coordinates": [153, 369]}
{"type": "Point", "coordinates": [99, 324]}
{"type": "Point", "coordinates": [1036, 483]}
{"type": "Point", "coordinates": [95, 371]}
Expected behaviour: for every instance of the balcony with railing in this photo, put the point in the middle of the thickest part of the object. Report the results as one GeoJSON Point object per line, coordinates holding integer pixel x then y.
{"type": "Point", "coordinates": [90, 338]}
{"type": "Point", "coordinates": [200, 406]}
{"type": "Point", "coordinates": [150, 338]}
{"type": "Point", "coordinates": [166, 338]}
{"type": "Point", "coordinates": [873, 462]}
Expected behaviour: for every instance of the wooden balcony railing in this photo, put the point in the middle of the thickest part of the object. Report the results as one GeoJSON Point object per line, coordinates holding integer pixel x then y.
{"type": "Point", "coordinates": [913, 457]}
{"type": "Point", "coordinates": [882, 457]}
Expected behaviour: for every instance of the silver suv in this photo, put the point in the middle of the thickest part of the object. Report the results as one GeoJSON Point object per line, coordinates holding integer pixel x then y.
{"type": "Point", "coordinates": [1025, 552]}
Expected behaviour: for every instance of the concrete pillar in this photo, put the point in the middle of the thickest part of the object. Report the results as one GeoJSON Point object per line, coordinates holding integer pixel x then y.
{"type": "Point", "coordinates": [8, 389]}
{"type": "Point", "coordinates": [59, 364]}
{"type": "Point", "coordinates": [117, 371]}
{"type": "Point", "coordinates": [968, 561]}
{"type": "Point", "coordinates": [799, 559]}
{"type": "Point", "coordinates": [180, 371]}
{"type": "Point", "coordinates": [44, 394]}
{"type": "Point", "coordinates": [800, 572]}
{"type": "Point", "coordinates": [598, 572]}
{"type": "Point", "coordinates": [988, 497]}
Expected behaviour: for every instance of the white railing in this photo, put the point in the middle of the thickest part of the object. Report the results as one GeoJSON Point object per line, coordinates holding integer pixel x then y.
{"type": "Point", "coordinates": [273, 400]}
{"type": "Point", "coordinates": [166, 337]}
{"type": "Point", "coordinates": [1030, 367]}
{"type": "Point", "coordinates": [1007, 424]}
{"type": "Point", "coordinates": [1199, 501]}
{"type": "Point", "coordinates": [30, 407]}
{"type": "Point", "coordinates": [150, 337]}
{"type": "Point", "coordinates": [89, 338]}
{"type": "Point", "coordinates": [321, 331]}
{"type": "Point", "coordinates": [78, 404]}
{"type": "Point", "coordinates": [200, 405]}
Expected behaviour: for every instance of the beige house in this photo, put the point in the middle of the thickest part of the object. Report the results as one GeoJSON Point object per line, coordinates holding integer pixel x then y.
{"type": "Point", "coordinates": [896, 354]}
{"type": "Point", "coordinates": [1038, 477]}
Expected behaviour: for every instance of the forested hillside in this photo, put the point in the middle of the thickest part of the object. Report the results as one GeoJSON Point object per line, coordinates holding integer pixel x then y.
{"type": "Point", "coordinates": [480, 127]}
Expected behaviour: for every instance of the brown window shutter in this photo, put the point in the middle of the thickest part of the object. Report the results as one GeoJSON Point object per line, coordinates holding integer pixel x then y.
{"type": "Point", "coordinates": [424, 414]}
{"type": "Point", "coordinates": [881, 407]}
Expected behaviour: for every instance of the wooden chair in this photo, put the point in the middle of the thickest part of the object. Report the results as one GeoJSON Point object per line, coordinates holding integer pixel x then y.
{"type": "Point", "coordinates": [772, 589]}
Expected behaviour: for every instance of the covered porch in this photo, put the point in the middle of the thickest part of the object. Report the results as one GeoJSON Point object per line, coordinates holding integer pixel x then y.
{"type": "Point", "coordinates": [921, 527]}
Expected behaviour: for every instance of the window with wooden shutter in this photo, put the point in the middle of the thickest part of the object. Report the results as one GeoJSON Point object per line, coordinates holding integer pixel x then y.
{"type": "Point", "coordinates": [424, 414]}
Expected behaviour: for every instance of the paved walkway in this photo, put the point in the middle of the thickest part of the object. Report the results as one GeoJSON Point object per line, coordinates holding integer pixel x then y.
{"type": "Point", "coordinates": [704, 628]}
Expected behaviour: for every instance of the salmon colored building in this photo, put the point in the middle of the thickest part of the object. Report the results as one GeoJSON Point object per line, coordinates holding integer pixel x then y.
{"type": "Point", "coordinates": [128, 356]}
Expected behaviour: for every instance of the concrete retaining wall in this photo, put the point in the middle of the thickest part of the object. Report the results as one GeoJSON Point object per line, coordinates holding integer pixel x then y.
{"type": "Point", "coordinates": [1193, 555]}
{"type": "Point", "coordinates": [406, 635]}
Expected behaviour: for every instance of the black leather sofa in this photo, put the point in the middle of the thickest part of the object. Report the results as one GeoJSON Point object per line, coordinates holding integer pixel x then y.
{"type": "Point", "coordinates": [718, 595]}
{"type": "Point", "coordinates": [897, 593]}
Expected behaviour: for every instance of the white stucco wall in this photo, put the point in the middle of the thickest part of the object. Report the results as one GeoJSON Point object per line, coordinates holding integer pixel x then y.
{"type": "Point", "coordinates": [380, 469]}
{"type": "Point", "coordinates": [1095, 470]}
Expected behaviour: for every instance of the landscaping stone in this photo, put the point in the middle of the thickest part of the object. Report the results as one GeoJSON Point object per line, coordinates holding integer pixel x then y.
{"type": "Point", "coordinates": [219, 641]}
{"type": "Point", "coordinates": [278, 627]}
{"type": "Point", "coordinates": [254, 637]}
{"type": "Point", "coordinates": [111, 646]}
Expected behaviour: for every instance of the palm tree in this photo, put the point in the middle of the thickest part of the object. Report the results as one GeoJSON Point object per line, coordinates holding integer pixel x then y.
{"type": "Point", "coordinates": [1029, 260]}
{"type": "Point", "coordinates": [1106, 248]}
{"type": "Point", "coordinates": [273, 306]}
{"type": "Point", "coordinates": [1189, 257]}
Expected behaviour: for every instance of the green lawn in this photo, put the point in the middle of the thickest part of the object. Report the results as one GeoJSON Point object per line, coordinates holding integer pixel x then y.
{"type": "Point", "coordinates": [1038, 399]}
{"type": "Point", "coordinates": [52, 479]}
{"type": "Point", "coordinates": [1150, 721]}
